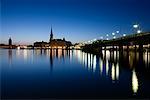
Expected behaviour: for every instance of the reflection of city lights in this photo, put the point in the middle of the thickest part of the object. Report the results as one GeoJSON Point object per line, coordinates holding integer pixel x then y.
{"type": "Point", "coordinates": [113, 72]}
{"type": "Point", "coordinates": [146, 58]}
{"type": "Point", "coordinates": [59, 53]}
{"type": "Point", "coordinates": [117, 71]}
{"type": "Point", "coordinates": [85, 59]}
{"type": "Point", "coordinates": [107, 54]}
{"type": "Point", "coordinates": [18, 53]}
{"type": "Point", "coordinates": [94, 63]}
{"type": "Point", "coordinates": [25, 54]}
{"type": "Point", "coordinates": [91, 60]}
{"type": "Point", "coordinates": [79, 55]}
{"type": "Point", "coordinates": [101, 66]}
{"type": "Point", "coordinates": [115, 55]}
{"type": "Point", "coordinates": [134, 82]}
{"type": "Point", "coordinates": [88, 60]}
{"type": "Point", "coordinates": [107, 67]}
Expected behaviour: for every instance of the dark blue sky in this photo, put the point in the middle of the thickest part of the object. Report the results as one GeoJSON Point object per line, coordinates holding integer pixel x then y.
{"type": "Point", "coordinates": [27, 21]}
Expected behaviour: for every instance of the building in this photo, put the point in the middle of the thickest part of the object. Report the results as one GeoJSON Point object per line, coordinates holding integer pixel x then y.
{"type": "Point", "coordinates": [9, 42]}
{"type": "Point", "coordinates": [9, 45]}
{"type": "Point", "coordinates": [53, 43]}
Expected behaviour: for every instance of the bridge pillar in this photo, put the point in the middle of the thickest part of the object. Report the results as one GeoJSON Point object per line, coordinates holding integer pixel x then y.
{"type": "Point", "coordinates": [100, 48]}
{"type": "Point", "coordinates": [135, 47]}
{"type": "Point", "coordinates": [105, 47]}
{"type": "Point", "coordinates": [113, 47]}
{"type": "Point", "coordinates": [127, 47]}
{"type": "Point", "coordinates": [120, 47]}
{"type": "Point", "coordinates": [141, 47]}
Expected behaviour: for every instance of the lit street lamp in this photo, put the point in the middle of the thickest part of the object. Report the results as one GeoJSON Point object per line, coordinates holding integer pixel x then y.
{"type": "Point", "coordinates": [139, 31]}
{"type": "Point", "coordinates": [107, 37]}
{"type": "Point", "coordinates": [135, 26]}
{"type": "Point", "coordinates": [113, 33]}
{"type": "Point", "coordinates": [124, 34]}
{"type": "Point", "coordinates": [117, 31]}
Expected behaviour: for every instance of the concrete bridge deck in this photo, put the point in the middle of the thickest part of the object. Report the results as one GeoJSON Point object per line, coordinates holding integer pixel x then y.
{"type": "Point", "coordinates": [133, 39]}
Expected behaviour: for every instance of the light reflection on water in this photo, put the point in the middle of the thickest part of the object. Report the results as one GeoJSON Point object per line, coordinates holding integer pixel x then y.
{"type": "Point", "coordinates": [112, 66]}
{"type": "Point", "coordinates": [134, 82]}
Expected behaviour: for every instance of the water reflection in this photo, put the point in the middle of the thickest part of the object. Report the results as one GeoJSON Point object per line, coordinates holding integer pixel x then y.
{"type": "Point", "coordinates": [113, 72]}
{"type": "Point", "coordinates": [54, 54]}
{"type": "Point", "coordinates": [51, 60]}
{"type": "Point", "coordinates": [111, 64]}
{"type": "Point", "coordinates": [135, 84]}
{"type": "Point", "coordinates": [114, 66]}
{"type": "Point", "coordinates": [10, 57]}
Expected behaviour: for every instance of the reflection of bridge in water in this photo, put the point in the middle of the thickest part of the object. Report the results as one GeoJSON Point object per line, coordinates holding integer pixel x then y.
{"type": "Point", "coordinates": [113, 64]}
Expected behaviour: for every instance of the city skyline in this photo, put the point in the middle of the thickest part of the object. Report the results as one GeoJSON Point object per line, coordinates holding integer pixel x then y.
{"type": "Point", "coordinates": [27, 21]}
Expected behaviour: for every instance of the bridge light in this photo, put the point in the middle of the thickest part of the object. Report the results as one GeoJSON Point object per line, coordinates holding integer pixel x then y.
{"type": "Point", "coordinates": [139, 31]}
{"type": "Point", "coordinates": [107, 38]}
{"type": "Point", "coordinates": [114, 37]}
{"type": "Point", "coordinates": [117, 31]}
{"type": "Point", "coordinates": [101, 37]}
{"type": "Point", "coordinates": [135, 26]}
{"type": "Point", "coordinates": [124, 34]}
{"type": "Point", "coordinates": [113, 33]}
{"type": "Point", "coordinates": [107, 35]}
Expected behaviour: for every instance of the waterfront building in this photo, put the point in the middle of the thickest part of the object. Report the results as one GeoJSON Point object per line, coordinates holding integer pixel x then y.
{"type": "Point", "coordinates": [10, 41]}
{"type": "Point", "coordinates": [53, 43]}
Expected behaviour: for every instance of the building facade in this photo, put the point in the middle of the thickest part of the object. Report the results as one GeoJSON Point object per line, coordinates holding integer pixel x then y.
{"type": "Point", "coordinates": [53, 43]}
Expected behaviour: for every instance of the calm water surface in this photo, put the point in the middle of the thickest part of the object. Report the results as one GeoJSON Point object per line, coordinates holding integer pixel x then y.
{"type": "Point", "coordinates": [74, 74]}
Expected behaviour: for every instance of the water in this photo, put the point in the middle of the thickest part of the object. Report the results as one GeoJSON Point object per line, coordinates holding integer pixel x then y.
{"type": "Point", "coordinates": [28, 74]}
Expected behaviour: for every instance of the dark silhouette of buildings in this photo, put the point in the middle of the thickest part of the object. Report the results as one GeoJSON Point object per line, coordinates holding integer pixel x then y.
{"type": "Point", "coordinates": [51, 35]}
{"type": "Point", "coordinates": [10, 42]}
{"type": "Point", "coordinates": [9, 45]}
{"type": "Point", "coordinates": [53, 43]}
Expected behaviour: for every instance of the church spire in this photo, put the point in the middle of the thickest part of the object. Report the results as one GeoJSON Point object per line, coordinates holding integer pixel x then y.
{"type": "Point", "coordinates": [51, 35]}
{"type": "Point", "coordinates": [51, 30]}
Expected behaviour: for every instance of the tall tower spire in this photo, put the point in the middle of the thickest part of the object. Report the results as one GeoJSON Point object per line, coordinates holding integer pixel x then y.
{"type": "Point", "coordinates": [51, 35]}
{"type": "Point", "coordinates": [10, 41]}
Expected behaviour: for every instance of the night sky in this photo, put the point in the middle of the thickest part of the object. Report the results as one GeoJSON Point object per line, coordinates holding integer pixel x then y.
{"type": "Point", "coordinates": [27, 21]}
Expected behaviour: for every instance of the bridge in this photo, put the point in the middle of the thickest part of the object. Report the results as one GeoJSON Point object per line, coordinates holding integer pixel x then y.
{"type": "Point", "coordinates": [138, 40]}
